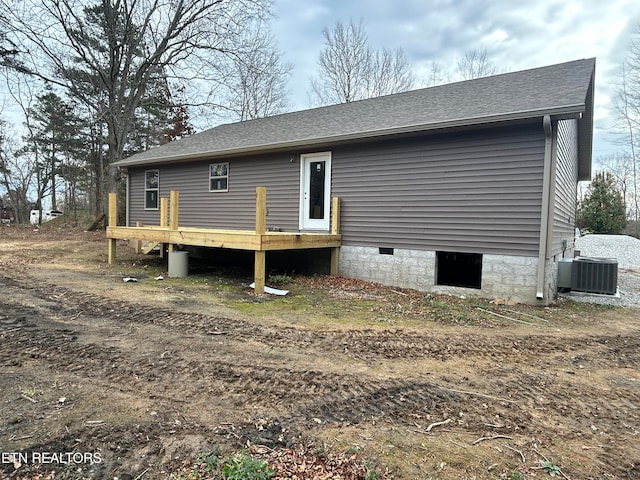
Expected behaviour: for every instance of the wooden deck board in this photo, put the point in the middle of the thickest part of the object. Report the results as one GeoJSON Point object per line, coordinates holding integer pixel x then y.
{"type": "Point", "coordinates": [235, 239]}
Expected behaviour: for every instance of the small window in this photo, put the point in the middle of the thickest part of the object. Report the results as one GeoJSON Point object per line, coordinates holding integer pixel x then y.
{"type": "Point", "coordinates": [151, 189]}
{"type": "Point", "coordinates": [219, 177]}
{"type": "Point", "coordinates": [459, 269]}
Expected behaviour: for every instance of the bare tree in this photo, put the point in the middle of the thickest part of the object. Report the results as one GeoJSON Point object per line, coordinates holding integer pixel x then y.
{"type": "Point", "coordinates": [389, 72]}
{"type": "Point", "coordinates": [28, 163]}
{"type": "Point", "coordinates": [16, 173]}
{"type": "Point", "coordinates": [627, 104]}
{"type": "Point", "coordinates": [350, 70]}
{"type": "Point", "coordinates": [256, 82]}
{"type": "Point", "coordinates": [436, 76]}
{"type": "Point", "coordinates": [620, 167]}
{"type": "Point", "coordinates": [106, 53]}
{"type": "Point", "coordinates": [8, 50]}
{"type": "Point", "coordinates": [475, 64]}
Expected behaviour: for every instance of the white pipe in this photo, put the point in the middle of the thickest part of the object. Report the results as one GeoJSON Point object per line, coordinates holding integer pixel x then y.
{"type": "Point", "coordinates": [544, 214]}
{"type": "Point", "coordinates": [128, 198]}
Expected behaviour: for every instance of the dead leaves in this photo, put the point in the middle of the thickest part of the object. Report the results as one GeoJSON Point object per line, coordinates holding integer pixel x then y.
{"type": "Point", "coordinates": [314, 463]}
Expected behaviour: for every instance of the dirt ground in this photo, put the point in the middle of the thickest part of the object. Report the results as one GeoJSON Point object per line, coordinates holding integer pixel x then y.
{"type": "Point", "coordinates": [101, 378]}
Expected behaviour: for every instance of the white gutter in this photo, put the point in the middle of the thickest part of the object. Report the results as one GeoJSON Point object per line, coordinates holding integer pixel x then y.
{"type": "Point", "coordinates": [128, 205]}
{"type": "Point", "coordinates": [544, 216]}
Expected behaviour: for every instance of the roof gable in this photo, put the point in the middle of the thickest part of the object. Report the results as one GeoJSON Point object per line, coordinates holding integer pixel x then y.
{"type": "Point", "coordinates": [562, 90]}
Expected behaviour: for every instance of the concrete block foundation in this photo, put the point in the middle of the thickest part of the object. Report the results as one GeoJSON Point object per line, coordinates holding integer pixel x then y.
{"type": "Point", "coordinates": [511, 278]}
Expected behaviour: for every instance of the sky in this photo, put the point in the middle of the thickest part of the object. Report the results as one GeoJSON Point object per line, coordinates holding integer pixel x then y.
{"type": "Point", "coordinates": [516, 35]}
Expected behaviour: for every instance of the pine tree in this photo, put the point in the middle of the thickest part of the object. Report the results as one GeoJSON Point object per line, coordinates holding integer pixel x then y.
{"type": "Point", "coordinates": [55, 126]}
{"type": "Point", "coordinates": [602, 210]}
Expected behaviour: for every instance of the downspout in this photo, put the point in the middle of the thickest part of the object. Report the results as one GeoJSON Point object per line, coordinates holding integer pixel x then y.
{"type": "Point", "coordinates": [127, 204]}
{"type": "Point", "coordinates": [544, 220]}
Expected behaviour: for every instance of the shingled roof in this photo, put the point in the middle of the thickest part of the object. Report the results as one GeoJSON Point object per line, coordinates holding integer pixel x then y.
{"type": "Point", "coordinates": [562, 91]}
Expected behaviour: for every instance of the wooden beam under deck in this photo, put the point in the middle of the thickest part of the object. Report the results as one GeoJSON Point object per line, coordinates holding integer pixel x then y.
{"type": "Point", "coordinates": [259, 240]}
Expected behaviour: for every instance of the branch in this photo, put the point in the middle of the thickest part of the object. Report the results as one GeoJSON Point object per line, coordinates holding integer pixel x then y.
{"type": "Point", "coordinates": [437, 424]}
{"type": "Point", "coordinates": [482, 439]}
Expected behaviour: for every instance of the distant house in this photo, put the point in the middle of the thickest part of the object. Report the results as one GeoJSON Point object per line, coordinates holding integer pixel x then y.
{"type": "Point", "coordinates": [466, 188]}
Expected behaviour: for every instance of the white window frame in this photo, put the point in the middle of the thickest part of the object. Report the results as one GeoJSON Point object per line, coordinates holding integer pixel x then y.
{"type": "Point", "coordinates": [211, 177]}
{"type": "Point", "coordinates": [156, 189]}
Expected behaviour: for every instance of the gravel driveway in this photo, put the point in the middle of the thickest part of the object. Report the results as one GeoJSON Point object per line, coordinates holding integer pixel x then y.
{"type": "Point", "coordinates": [626, 250]}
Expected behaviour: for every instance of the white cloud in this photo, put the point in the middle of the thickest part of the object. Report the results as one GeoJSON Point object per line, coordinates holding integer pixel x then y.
{"type": "Point", "coordinates": [516, 35]}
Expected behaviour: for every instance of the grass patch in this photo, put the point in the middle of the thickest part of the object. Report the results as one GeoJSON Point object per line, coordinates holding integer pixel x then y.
{"type": "Point", "coordinates": [343, 300]}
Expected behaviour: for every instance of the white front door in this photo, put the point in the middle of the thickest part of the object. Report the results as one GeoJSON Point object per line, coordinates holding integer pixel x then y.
{"type": "Point", "coordinates": [315, 191]}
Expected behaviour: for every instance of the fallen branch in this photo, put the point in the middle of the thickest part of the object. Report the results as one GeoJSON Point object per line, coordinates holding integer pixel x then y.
{"type": "Point", "coordinates": [482, 439]}
{"type": "Point", "coordinates": [399, 293]}
{"type": "Point", "coordinates": [457, 444]}
{"type": "Point", "coordinates": [535, 449]}
{"type": "Point", "coordinates": [437, 424]}
{"type": "Point", "coordinates": [527, 315]}
{"type": "Point", "coordinates": [211, 332]}
{"type": "Point", "coordinates": [140, 476]}
{"type": "Point", "coordinates": [29, 398]}
{"type": "Point", "coordinates": [503, 316]}
{"type": "Point", "coordinates": [517, 451]}
{"type": "Point", "coordinates": [558, 470]}
{"type": "Point", "coordinates": [476, 394]}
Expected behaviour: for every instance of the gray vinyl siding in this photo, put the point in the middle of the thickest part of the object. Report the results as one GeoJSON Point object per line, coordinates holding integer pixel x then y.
{"type": "Point", "coordinates": [234, 209]}
{"type": "Point", "coordinates": [468, 192]}
{"type": "Point", "coordinates": [566, 184]}
{"type": "Point", "coordinates": [473, 191]}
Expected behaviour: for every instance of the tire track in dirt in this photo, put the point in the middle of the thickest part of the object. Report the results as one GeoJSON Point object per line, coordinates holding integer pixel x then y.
{"type": "Point", "coordinates": [328, 397]}
{"type": "Point", "coordinates": [548, 392]}
{"type": "Point", "coordinates": [256, 384]}
{"type": "Point", "coordinates": [309, 396]}
{"type": "Point", "coordinates": [319, 396]}
{"type": "Point", "coordinates": [365, 345]}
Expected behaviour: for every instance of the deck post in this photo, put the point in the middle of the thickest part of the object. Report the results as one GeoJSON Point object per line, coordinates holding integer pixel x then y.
{"type": "Point", "coordinates": [164, 212]}
{"type": "Point", "coordinates": [138, 243]}
{"type": "Point", "coordinates": [113, 221]}
{"type": "Point", "coordinates": [164, 208]}
{"type": "Point", "coordinates": [335, 230]}
{"type": "Point", "coordinates": [174, 204]}
{"type": "Point", "coordinates": [261, 210]}
{"type": "Point", "coordinates": [259, 270]}
{"type": "Point", "coordinates": [261, 228]}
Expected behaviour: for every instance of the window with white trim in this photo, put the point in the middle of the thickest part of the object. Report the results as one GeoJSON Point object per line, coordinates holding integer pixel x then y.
{"type": "Point", "coordinates": [219, 177]}
{"type": "Point", "coordinates": [151, 189]}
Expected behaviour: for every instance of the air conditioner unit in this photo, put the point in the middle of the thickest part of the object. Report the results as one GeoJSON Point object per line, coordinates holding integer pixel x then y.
{"type": "Point", "coordinates": [595, 275]}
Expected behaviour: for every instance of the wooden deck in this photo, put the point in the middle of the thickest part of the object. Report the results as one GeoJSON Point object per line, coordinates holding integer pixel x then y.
{"type": "Point", "coordinates": [259, 240]}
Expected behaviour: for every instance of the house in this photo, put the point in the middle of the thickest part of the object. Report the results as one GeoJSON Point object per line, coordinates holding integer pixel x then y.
{"type": "Point", "coordinates": [465, 188]}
